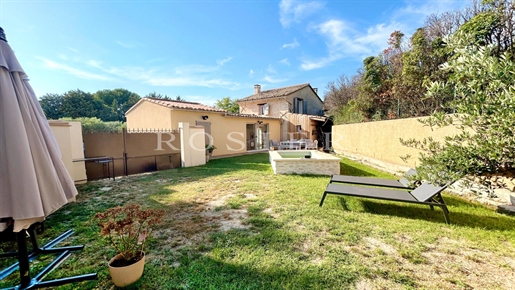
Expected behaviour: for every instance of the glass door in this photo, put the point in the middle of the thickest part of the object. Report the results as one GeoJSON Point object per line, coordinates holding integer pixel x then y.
{"type": "Point", "coordinates": [251, 137]}
{"type": "Point", "coordinates": [261, 136]}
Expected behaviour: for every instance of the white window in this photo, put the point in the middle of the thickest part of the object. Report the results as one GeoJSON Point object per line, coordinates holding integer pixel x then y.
{"type": "Point", "coordinates": [263, 109]}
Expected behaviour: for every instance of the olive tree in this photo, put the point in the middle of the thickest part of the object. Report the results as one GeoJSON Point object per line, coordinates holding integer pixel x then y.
{"type": "Point", "coordinates": [482, 86]}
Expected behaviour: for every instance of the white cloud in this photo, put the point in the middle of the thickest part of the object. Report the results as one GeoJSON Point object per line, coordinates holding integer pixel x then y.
{"type": "Point", "coordinates": [251, 73]}
{"type": "Point", "coordinates": [72, 49]}
{"type": "Point", "coordinates": [273, 80]}
{"type": "Point", "coordinates": [271, 69]}
{"type": "Point", "coordinates": [223, 61]}
{"type": "Point", "coordinates": [190, 75]}
{"type": "Point", "coordinates": [422, 9]}
{"type": "Point", "coordinates": [125, 44]}
{"type": "Point", "coordinates": [294, 44]}
{"type": "Point", "coordinates": [342, 41]}
{"type": "Point", "coordinates": [294, 11]}
{"type": "Point", "coordinates": [73, 71]}
{"type": "Point", "coordinates": [285, 61]}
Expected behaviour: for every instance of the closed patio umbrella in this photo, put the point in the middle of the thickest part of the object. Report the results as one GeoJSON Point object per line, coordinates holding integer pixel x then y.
{"type": "Point", "coordinates": [33, 179]}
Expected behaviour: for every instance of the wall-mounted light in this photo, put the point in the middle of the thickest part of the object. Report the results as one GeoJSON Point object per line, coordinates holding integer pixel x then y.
{"type": "Point", "coordinates": [205, 117]}
{"type": "Point", "coordinates": [260, 122]}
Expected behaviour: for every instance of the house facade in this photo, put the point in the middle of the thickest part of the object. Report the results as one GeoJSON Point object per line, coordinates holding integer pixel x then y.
{"type": "Point", "coordinates": [299, 106]}
{"type": "Point", "coordinates": [232, 134]}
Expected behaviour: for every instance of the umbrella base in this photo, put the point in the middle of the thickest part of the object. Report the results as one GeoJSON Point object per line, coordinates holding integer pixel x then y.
{"type": "Point", "coordinates": [24, 258]}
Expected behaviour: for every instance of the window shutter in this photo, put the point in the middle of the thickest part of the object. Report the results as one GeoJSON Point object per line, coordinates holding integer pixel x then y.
{"type": "Point", "coordinates": [295, 105]}
{"type": "Point", "coordinates": [266, 109]}
{"type": "Point", "coordinates": [304, 107]}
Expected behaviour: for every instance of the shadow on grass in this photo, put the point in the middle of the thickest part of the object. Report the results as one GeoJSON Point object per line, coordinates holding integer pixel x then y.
{"type": "Point", "coordinates": [263, 257]}
{"type": "Point", "coordinates": [459, 215]}
{"type": "Point", "coordinates": [348, 169]}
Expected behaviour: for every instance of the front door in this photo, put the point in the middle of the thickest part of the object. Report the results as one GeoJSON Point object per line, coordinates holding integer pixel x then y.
{"type": "Point", "coordinates": [261, 136]}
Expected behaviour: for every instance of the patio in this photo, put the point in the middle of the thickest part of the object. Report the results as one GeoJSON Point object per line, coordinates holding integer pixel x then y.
{"type": "Point", "coordinates": [228, 229]}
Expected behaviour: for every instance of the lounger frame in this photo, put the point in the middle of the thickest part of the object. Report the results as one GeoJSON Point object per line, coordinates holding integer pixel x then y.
{"type": "Point", "coordinates": [426, 194]}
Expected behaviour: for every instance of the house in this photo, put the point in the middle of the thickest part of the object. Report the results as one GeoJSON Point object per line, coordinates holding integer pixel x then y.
{"type": "Point", "coordinates": [299, 106]}
{"type": "Point", "coordinates": [231, 133]}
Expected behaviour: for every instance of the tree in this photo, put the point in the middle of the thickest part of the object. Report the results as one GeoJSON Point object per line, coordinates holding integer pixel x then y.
{"type": "Point", "coordinates": [483, 88]}
{"type": "Point", "coordinates": [340, 99]}
{"type": "Point", "coordinates": [420, 67]}
{"type": "Point", "coordinates": [77, 103]}
{"type": "Point", "coordinates": [51, 105]}
{"type": "Point", "coordinates": [228, 104]}
{"type": "Point", "coordinates": [118, 101]}
{"type": "Point", "coordinates": [493, 24]}
{"type": "Point", "coordinates": [165, 97]}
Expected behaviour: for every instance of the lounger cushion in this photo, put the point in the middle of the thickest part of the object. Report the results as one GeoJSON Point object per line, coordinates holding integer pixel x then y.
{"type": "Point", "coordinates": [367, 181]}
{"type": "Point", "coordinates": [371, 192]}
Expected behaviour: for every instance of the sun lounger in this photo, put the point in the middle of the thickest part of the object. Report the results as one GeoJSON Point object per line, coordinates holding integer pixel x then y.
{"type": "Point", "coordinates": [426, 193]}
{"type": "Point", "coordinates": [403, 183]}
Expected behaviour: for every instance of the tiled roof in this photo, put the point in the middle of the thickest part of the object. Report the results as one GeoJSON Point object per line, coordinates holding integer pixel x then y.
{"type": "Point", "coordinates": [251, 116]}
{"type": "Point", "coordinates": [184, 105]}
{"type": "Point", "coordinates": [274, 93]}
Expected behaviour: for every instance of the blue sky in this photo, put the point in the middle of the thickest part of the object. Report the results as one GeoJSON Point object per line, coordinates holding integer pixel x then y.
{"type": "Point", "coordinates": [202, 50]}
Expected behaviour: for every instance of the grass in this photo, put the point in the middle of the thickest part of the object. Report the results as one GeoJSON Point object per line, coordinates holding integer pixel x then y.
{"type": "Point", "coordinates": [233, 224]}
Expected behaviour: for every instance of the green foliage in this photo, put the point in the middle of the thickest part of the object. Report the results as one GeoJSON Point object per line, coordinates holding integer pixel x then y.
{"type": "Point", "coordinates": [117, 101]}
{"type": "Point", "coordinates": [164, 97]}
{"type": "Point", "coordinates": [95, 125]}
{"type": "Point", "coordinates": [77, 103]}
{"type": "Point", "coordinates": [51, 105]}
{"type": "Point", "coordinates": [107, 105]}
{"type": "Point", "coordinates": [228, 104]}
{"type": "Point", "coordinates": [347, 114]}
{"type": "Point", "coordinates": [483, 90]}
{"type": "Point", "coordinates": [480, 27]}
{"type": "Point", "coordinates": [342, 100]}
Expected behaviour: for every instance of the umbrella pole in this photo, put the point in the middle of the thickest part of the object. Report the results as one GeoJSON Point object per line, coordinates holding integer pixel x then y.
{"type": "Point", "coordinates": [23, 259]}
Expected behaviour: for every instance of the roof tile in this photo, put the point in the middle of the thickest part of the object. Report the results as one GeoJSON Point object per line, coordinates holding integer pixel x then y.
{"type": "Point", "coordinates": [184, 105]}
{"type": "Point", "coordinates": [274, 93]}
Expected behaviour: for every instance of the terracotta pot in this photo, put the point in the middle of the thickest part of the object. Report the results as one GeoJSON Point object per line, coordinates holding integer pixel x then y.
{"type": "Point", "coordinates": [123, 276]}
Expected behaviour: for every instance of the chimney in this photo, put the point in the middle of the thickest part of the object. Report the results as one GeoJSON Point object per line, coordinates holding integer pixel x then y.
{"type": "Point", "coordinates": [257, 89]}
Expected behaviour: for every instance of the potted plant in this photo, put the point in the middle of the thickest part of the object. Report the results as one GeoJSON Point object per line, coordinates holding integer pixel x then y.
{"type": "Point", "coordinates": [209, 151]}
{"type": "Point", "coordinates": [127, 228]}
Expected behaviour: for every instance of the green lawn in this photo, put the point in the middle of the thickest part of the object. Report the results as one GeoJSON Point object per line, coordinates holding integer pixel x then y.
{"type": "Point", "coordinates": [233, 224]}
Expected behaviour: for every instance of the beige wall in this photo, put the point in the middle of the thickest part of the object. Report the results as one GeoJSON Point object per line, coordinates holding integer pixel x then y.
{"type": "Point", "coordinates": [149, 115]}
{"type": "Point", "coordinates": [69, 138]}
{"type": "Point", "coordinates": [228, 132]}
{"type": "Point", "coordinates": [380, 140]}
{"type": "Point", "coordinates": [277, 107]}
{"type": "Point", "coordinates": [280, 106]}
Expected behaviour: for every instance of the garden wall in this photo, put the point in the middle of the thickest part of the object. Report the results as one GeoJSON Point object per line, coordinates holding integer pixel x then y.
{"type": "Point", "coordinates": [132, 152]}
{"type": "Point", "coordinates": [378, 142]}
